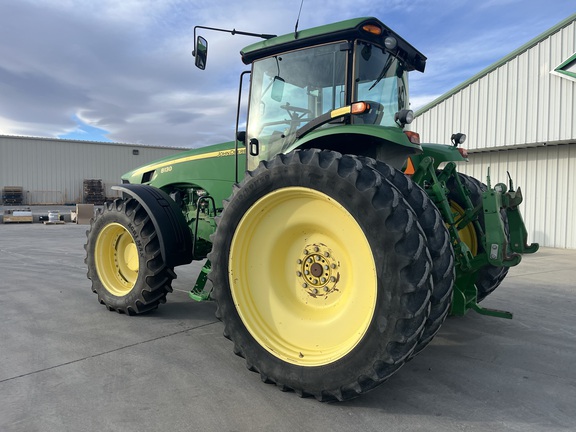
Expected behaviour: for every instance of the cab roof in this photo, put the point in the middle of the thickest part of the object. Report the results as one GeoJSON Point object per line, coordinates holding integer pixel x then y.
{"type": "Point", "coordinates": [343, 30]}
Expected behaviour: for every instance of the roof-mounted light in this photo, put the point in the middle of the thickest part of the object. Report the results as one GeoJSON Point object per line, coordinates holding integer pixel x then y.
{"type": "Point", "coordinates": [372, 28]}
{"type": "Point", "coordinates": [390, 43]}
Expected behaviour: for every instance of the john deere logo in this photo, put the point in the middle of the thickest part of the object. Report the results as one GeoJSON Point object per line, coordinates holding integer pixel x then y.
{"type": "Point", "coordinates": [567, 69]}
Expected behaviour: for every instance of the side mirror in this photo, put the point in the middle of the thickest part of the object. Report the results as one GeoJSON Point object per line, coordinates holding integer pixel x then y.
{"type": "Point", "coordinates": [201, 52]}
{"type": "Point", "coordinates": [277, 89]}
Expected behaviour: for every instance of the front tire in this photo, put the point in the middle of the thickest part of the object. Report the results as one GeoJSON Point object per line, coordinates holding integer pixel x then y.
{"type": "Point", "coordinates": [124, 261]}
{"type": "Point", "coordinates": [321, 274]}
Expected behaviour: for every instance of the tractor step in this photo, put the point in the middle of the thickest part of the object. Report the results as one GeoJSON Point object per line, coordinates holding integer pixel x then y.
{"type": "Point", "coordinates": [198, 293]}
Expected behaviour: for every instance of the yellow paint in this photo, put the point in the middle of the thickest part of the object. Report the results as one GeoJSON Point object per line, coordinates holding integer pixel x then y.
{"type": "Point", "coordinates": [340, 111]}
{"type": "Point", "coordinates": [310, 319]}
{"type": "Point", "coordinates": [116, 259]}
{"type": "Point", "coordinates": [467, 234]}
{"type": "Point", "coordinates": [215, 154]}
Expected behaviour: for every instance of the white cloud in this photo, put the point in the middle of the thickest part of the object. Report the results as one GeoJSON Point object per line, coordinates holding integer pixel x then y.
{"type": "Point", "coordinates": [125, 66]}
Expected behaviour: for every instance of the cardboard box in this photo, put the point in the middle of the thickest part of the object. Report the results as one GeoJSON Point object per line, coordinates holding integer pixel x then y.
{"type": "Point", "coordinates": [84, 212]}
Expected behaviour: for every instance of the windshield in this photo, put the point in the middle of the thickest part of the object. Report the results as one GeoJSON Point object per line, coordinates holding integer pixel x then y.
{"type": "Point", "coordinates": [381, 80]}
{"type": "Point", "coordinates": [291, 89]}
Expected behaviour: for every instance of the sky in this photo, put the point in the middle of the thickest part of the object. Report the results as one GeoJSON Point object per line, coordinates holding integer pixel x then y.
{"type": "Point", "coordinates": [122, 70]}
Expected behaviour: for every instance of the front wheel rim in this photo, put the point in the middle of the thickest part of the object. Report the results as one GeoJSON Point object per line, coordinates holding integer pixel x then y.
{"type": "Point", "coordinates": [116, 259]}
{"type": "Point", "coordinates": [302, 276]}
{"type": "Point", "coordinates": [468, 233]}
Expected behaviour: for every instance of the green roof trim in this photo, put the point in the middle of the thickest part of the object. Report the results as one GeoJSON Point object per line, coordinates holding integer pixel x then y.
{"type": "Point", "coordinates": [305, 34]}
{"type": "Point", "coordinates": [502, 61]}
{"type": "Point", "coordinates": [339, 31]}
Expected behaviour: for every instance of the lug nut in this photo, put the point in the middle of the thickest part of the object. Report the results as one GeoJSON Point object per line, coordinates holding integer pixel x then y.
{"type": "Point", "coordinates": [298, 273]}
{"type": "Point", "coordinates": [327, 254]}
{"type": "Point", "coordinates": [316, 248]}
{"type": "Point", "coordinates": [332, 279]}
{"type": "Point", "coordinates": [298, 261]}
{"type": "Point", "coordinates": [333, 266]}
{"type": "Point", "coordinates": [304, 285]}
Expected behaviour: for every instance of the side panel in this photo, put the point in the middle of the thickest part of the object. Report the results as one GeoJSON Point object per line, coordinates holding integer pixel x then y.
{"type": "Point", "coordinates": [211, 168]}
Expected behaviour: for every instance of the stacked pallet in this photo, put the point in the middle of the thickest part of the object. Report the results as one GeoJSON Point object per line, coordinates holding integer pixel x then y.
{"type": "Point", "coordinates": [17, 216]}
{"type": "Point", "coordinates": [12, 195]}
{"type": "Point", "coordinates": [94, 192]}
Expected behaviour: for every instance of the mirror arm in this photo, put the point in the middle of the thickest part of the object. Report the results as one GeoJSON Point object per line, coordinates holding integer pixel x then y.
{"type": "Point", "coordinates": [233, 32]}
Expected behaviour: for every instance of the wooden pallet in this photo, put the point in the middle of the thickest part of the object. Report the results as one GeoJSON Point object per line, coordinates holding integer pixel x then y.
{"type": "Point", "coordinates": [17, 219]}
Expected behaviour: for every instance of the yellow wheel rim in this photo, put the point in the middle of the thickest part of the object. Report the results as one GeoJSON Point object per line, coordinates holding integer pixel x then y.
{"type": "Point", "coordinates": [116, 259]}
{"type": "Point", "coordinates": [302, 276]}
{"type": "Point", "coordinates": [468, 233]}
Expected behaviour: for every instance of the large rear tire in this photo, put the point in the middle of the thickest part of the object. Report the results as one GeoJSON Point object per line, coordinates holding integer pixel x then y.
{"type": "Point", "coordinates": [321, 274]}
{"type": "Point", "coordinates": [489, 277]}
{"type": "Point", "coordinates": [439, 245]}
{"type": "Point", "coordinates": [124, 261]}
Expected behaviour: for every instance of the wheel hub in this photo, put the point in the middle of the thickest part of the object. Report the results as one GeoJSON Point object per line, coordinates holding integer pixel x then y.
{"type": "Point", "coordinates": [117, 259]}
{"type": "Point", "coordinates": [317, 270]}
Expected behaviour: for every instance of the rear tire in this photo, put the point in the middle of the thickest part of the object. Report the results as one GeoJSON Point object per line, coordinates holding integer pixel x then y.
{"type": "Point", "coordinates": [124, 261]}
{"type": "Point", "coordinates": [489, 277]}
{"type": "Point", "coordinates": [321, 274]}
{"type": "Point", "coordinates": [439, 245]}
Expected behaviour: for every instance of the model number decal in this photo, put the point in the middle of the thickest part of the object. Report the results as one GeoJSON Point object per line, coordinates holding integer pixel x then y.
{"type": "Point", "coordinates": [166, 169]}
{"type": "Point", "coordinates": [231, 152]}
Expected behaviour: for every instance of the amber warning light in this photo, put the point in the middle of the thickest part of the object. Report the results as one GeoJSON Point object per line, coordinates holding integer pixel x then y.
{"type": "Point", "coordinates": [359, 107]}
{"type": "Point", "coordinates": [371, 28]}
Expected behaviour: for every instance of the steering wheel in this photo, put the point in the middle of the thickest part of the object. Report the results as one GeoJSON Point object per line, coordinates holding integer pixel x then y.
{"type": "Point", "coordinates": [295, 113]}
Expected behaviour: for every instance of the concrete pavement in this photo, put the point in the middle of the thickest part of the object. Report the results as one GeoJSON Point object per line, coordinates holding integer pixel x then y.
{"type": "Point", "coordinates": [67, 364]}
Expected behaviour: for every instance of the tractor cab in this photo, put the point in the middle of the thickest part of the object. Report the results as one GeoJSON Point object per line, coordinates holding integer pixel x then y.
{"type": "Point", "coordinates": [305, 86]}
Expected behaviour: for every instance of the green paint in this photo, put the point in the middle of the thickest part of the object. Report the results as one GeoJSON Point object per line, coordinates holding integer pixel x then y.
{"type": "Point", "coordinates": [294, 105]}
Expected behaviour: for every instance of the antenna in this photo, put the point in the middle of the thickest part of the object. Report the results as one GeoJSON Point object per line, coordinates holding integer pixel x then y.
{"type": "Point", "coordinates": [298, 20]}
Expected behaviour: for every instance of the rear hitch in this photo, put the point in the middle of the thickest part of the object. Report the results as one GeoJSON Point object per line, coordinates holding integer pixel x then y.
{"type": "Point", "coordinates": [465, 298]}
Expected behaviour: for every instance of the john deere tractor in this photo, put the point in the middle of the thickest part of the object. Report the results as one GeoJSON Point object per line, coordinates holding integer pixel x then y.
{"type": "Point", "coordinates": [335, 243]}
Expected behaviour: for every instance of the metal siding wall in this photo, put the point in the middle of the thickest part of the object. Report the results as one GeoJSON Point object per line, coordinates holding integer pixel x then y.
{"type": "Point", "coordinates": [518, 103]}
{"type": "Point", "coordinates": [546, 176]}
{"type": "Point", "coordinates": [53, 170]}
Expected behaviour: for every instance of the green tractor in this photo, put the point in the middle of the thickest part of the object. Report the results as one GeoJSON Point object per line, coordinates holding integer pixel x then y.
{"type": "Point", "coordinates": [335, 243]}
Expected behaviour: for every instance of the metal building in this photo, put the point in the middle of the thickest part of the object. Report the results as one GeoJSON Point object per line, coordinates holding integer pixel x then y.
{"type": "Point", "coordinates": [520, 116]}
{"type": "Point", "coordinates": [53, 171]}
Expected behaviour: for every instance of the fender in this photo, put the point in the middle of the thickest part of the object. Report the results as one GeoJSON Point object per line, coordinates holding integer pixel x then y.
{"type": "Point", "coordinates": [441, 153]}
{"type": "Point", "coordinates": [390, 134]}
{"type": "Point", "coordinates": [173, 233]}
{"type": "Point", "coordinates": [389, 144]}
